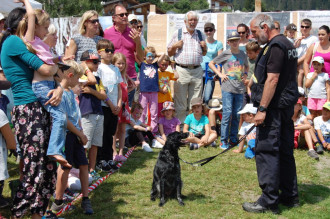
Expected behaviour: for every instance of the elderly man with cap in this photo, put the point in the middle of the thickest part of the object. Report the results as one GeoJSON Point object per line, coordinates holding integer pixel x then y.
{"type": "Point", "coordinates": [188, 47]}
{"type": "Point", "coordinates": [274, 92]}
{"type": "Point", "coordinates": [125, 40]}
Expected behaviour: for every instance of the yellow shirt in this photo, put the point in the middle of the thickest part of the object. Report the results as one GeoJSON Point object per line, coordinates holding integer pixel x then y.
{"type": "Point", "coordinates": [164, 79]}
{"type": "Point", "coordinates": [99, 86]}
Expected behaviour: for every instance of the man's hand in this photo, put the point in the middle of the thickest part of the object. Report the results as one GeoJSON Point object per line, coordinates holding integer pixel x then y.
{"type": "Point", "coordinates": [259, 118]}
{"type": "Point", "coordinates": [135, 35]}
{"type": "Point", "coordinates": [204, 46]}
{"type": "Point", "coordinates": [178, 44]}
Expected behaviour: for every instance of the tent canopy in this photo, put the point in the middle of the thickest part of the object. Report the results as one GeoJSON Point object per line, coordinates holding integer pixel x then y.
{"type": "Point", "coordinates": [7, 5]}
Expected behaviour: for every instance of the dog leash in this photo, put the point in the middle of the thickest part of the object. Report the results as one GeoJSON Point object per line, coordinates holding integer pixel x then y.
{"type": "Point", "coordinates": [208, 159]}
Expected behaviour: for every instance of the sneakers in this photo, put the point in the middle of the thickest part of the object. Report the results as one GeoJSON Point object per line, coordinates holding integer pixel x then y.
{"type": "Point", "coordinates": [103, 165]}
{"type": "Point", "coordinates": [95, 175]}
{"type": "Point", "coordinates": [213, 144]}
{"type": "Point", "coordinates": [3, 202]}
{"type": "Point", "coordinates": [56, 208]}
{"type": "Point", "coordinates": [119, 158]}
{"type": "Point", "coordinates": [255, 207]}
{"type": "Point", "coordinates": [86, 205]}
{"type": "Point", "coordinates": [319, 148]}
{"type": "Point", "coordinates": [224, 146]}
{"type": "Point", "coordinates": [156, 144]}
{"type": "Point", "coordinates": [313, 154]}
{"type": "Point", "coordinates": [112, 165]}
{"type": "Point", "coordinates": [193, 146]}
{"type": "Point", "coordinates": [147, 148]}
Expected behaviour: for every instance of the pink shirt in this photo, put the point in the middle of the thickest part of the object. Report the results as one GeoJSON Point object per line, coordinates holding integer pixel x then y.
{"type": "Point", "coordinates": [43, 50]}
{"type": "Point", "coordinates": [124, 44]}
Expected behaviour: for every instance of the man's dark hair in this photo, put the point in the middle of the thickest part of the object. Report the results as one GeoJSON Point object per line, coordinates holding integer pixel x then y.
{"type": "Point", "coordinates": [113, 9]}
{"type": "Point", "coordinates": [307, 21]}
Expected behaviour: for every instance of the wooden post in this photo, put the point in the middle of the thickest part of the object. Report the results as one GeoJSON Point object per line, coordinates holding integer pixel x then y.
{"type": "Point", "coordinates": [257, 5]}
{"type": "Point", "coordinates": [153, 8]}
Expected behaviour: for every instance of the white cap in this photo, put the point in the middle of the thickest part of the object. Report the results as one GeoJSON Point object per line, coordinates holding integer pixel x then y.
{"type": "Point", "coordinates": [132, 17]}
{"type": "Point", "coordinates": [248, 108]}
{"type": "Point", "coordinates": [318, 59]}
{"type": "Point", "coordinates": [1, 16]}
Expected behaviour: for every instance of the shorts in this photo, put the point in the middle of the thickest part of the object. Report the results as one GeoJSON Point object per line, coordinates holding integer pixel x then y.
{"type": "Point", "coordinates": [249, 152]}
{"type": "Point", "coordinates": [92, 125]}
{"type": "Point", "coordinates": [315, 104]}
{"type": "Point", "coordinates": [74, 151]}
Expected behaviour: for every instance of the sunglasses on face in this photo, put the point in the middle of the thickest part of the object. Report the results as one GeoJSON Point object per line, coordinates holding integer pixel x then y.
{"type": "Point", "coordinates": [241, 32]}
{"type": "Point", "coordinates": [94, 21]}
{"type": "Point", "coordinates": [208, 30]}
{"type": "Point", "coordinates": [94, 61]}
{"type": "Point", "coordinates": [123, 14]}
{"type": "Point", "coordinates": [107, 50]}
{"type": "Point", "coordinates": [304, 27]}
{"type": "Point", "coordinates": [140, 27]}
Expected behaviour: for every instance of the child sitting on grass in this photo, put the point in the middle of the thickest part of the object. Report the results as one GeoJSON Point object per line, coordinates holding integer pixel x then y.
{"type": "Point", "coordinates": [136, 130]}
{"type": "Point", "coordinates": [248, 113]}
{"type": "Point", "coordinates": [322, 127]}
{"type": "Point", "coordinates": [303, 130]}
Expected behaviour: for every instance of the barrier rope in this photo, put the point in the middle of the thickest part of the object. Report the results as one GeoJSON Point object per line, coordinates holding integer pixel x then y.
{"type": "Point", "coordinates": [94, 185]}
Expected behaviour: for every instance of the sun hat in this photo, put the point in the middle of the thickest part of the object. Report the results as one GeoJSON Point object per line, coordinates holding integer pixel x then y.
{"type": "Point", "coordinates": [248, 108]}
{"type": "Point", "coordinates": [233, 36]}
{"type": "Point", "coordinates": [291, 27]}
{"type": "Point", "coordinates": [318, 59]}
{"type": "Point", "coordinates": [196, 101]}
{"type": "Point", "coordinates": [327, 105]}
{"type": "Point", "coordinates": [214, 104]}
{"type": "Point", "coordinates": [168, 105]}
{"type": "Point", "coordinates": [132, 17]}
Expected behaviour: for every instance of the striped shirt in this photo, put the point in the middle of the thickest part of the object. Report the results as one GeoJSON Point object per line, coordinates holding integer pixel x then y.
{"type": "Point", "coordinates": [191, 51]}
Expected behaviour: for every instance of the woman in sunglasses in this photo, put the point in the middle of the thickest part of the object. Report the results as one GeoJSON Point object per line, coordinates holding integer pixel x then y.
{"type": "Point", "coordinates": [88, 37]}
{"type": "Point", "coordinates": [243, 31]}
{"type": "Point", "coordinates": [214, 48]}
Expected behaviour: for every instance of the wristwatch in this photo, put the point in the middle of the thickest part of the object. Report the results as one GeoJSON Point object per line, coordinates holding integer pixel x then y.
{"type": "Point", "coordinates": [262, 109]}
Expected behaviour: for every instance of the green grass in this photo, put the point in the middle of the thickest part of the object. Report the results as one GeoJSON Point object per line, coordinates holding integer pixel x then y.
{"type": "Point", "coordinates": [216, 190]}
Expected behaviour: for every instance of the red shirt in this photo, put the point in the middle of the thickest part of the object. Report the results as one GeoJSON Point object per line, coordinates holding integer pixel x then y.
{"type": "Point", "coordinates": [124, 44]}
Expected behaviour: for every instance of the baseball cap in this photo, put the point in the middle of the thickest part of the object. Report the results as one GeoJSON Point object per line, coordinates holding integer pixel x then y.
{"type": "Point", "coordinates": [196, 101]}
{"type": "Point", "coordinates": [248, 108]}
{"type": "Point", "coordinates": [88, 55]}
{"type": "Point", "coordinates": [214, 104]}
{"type": "Point", "coordinates": [318, 59]}
{"type": "Point", "coordinates": [291, 27]}
{"type": "Point", "coordinates": [132, 17]}
{"type": "Point", "coordinates": [327, 105]}
{"type": "Point", "coordinates": [209, 25]}
{"type": "Point", "coordinates": [168, 105]}
{"type": "Point", "coordinates": [233, 36]}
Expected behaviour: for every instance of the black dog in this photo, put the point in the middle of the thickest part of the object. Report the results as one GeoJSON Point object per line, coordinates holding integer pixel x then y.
{"type": "Point", "coordinates": [167, 172]}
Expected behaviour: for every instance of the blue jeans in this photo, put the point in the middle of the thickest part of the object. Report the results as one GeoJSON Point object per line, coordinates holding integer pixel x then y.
{"type": "Point", "coordinates": [208, 89]}
{"type": "Point", "coordinates": [59, 121]}
{"type": "Point", "coordinates": [231, 104]}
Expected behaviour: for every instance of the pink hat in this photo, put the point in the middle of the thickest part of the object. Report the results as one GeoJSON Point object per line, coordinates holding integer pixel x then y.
{"type": "Point", "coordinates": [168, 105]}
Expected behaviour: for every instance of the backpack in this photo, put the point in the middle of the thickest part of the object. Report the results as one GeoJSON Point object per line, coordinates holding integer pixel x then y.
{"type": "Point", "coordinates": [199, 33]}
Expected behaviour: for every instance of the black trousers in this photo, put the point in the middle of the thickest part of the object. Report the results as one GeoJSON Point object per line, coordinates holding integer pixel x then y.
{"type": "Point", "coordinates": [136, 137]}
{"type": "Point", "coordinates": [275, 162]}
{"type": "Point", "coordinates": [109, 130]}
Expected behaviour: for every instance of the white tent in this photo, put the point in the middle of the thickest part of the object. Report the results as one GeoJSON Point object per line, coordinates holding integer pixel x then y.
{"type": "Point", "coordinates": [7, 5]}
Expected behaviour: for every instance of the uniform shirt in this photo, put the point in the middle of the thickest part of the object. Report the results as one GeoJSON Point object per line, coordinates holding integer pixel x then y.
{"type": "Point", "coordinates": [111, 78]}
{"type": "Point", "coordinates": [233, 65]}
{"type": "Point", "coordinates": [124, 44]}
{"type": "Point", "coordinates": [3, 149]}
{"type": "Point", "coordinates": [324, 126]}
{"type": "Point", "coordinates": [196, 126]}
{"type": "Point", "coordinates": [149, 77]}
{"type": "Point", "coordinates": [164, 81]}
{"type": "Point", "coordinates": [191, 52]}
{"type": "Point", "coordinates": [318, 88]}
{"type": "Point", "coordinates": [19, 64]}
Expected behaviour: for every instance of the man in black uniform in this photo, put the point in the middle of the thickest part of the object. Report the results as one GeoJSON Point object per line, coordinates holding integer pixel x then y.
{"type": "Point", "coordinates": [275, 93]}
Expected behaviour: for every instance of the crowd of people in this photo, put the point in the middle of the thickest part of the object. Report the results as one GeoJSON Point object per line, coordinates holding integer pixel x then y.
{"type": "Point", "coordinates": [110, 91]}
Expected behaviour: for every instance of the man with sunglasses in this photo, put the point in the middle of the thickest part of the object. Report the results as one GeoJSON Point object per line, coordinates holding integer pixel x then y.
{"type": "Point", "coordinates": [303, 43]}
{"type": "Point", "coordinates": [188, 49]}
{"type": "Point", "coordinates": [126, 40]}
